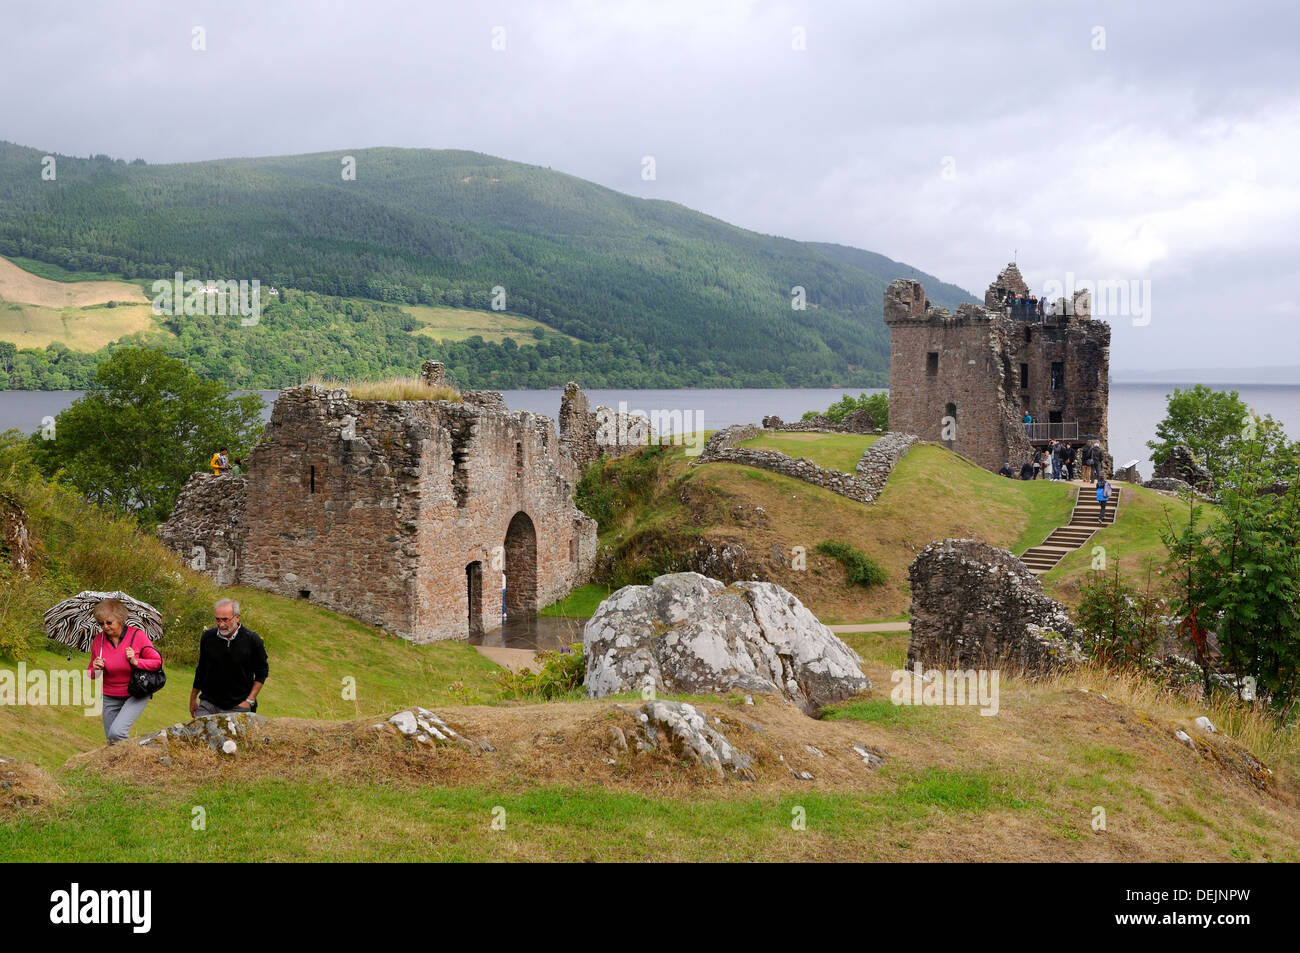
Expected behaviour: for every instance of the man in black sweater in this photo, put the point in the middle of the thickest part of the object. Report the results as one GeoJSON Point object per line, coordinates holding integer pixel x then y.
{"type": "Point", "coordinates": [232, 666]}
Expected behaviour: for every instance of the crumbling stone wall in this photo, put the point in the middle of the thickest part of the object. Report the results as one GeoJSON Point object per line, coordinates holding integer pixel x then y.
{"type": "Point", "coordinates": [405, 514]}
{"type": "Point", "coordinates": [1181, 464]}
{"type": "Point", "coordinates": [863, 485]}
{"type": "Point", "coordinates": [207, 525]}
{"type": "Point", "coordinates": [588, 435]}
{"type": "Point", "coordinates": [859, 421]}
{"type": "Point", "coordinates": [976, 606]}
{"type": "Point", "coordinates": [956, 379]}
{"type": "Point", "coordinates": [15, 537]}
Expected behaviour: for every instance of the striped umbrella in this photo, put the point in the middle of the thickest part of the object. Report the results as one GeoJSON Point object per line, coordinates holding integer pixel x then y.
{"type": "Point", "coordinates": [72, 621]}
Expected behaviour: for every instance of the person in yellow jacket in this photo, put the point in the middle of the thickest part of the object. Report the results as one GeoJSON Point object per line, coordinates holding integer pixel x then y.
{"type": "Point", "coordinates": [220, 463]}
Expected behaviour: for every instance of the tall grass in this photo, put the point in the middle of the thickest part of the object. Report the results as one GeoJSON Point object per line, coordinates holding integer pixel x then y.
{"type": "Point", "coordinates": [394, 388]}
{"type": "Point", "coordinates": [1270, 738]}
{"type": "Point", "coordinates": [78, 547]}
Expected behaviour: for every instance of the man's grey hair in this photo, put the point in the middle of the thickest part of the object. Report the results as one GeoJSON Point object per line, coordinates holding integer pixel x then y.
{"type": "Point", "coordinates": [234, 606]}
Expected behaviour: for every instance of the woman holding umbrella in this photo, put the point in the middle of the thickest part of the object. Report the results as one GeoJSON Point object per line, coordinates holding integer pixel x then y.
{"type": "Point", "coordinates": [114, 651]}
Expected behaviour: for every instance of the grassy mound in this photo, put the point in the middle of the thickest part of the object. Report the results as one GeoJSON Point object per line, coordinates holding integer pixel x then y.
{"type": "Point", "coordinates": [654, 510]}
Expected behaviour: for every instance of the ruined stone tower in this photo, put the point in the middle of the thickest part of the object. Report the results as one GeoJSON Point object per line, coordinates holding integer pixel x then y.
{"type": "Point", "coordinates": [403, 514]}
{"type": "Point", "coordinates": [967, 379]}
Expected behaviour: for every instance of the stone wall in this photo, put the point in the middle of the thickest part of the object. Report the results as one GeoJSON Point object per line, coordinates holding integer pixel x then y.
{"type": "Point", "coordinates": [588, 435]}
{"type": "Point", "coordinates": [859, 421]}
{"type": "Point", "coordinates": [207, 525]}
{"type": "Point", "coordinates": [864, 485]}
{"type": "Point", "coordinates": [969, 366]}
{"type": "Point", "coordinates": [15, 537]}
{"type": "Point", "coordinates": [403, 514]}
{"type": "Point", "coordinates": [1181, 464]}
{"type": "Point", "coordinates": [975, 606]}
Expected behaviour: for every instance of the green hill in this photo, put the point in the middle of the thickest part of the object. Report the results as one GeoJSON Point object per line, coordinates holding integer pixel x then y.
{"type": "Point", "coordinates": [660, 294]}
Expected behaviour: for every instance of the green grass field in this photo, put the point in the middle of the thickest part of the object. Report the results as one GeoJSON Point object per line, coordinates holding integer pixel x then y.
{"type": "Point", "coordinates": [459, 324]}
{"type": "Point", "coordinates": [832, 451]}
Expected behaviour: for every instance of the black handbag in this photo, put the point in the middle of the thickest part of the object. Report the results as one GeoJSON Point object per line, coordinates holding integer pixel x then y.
{"type": "Point", "coordinates": [143, 684]}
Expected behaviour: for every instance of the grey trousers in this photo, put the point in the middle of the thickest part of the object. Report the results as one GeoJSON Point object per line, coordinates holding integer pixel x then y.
{"type": "Point", "coordinates": [207, 708]}
{"type": "Point", "coordinates": [119, 715]}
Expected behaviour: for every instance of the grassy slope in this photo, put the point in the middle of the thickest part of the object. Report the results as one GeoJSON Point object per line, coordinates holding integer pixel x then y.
{"type": "Point", "coordinates": [1019, 786]}
{"type": "Point", "coordinates": [932, 494]}
{"type": "Point", "coordinates": [311, 649]}
{"type": "Point", "coordinates": [832, 451]}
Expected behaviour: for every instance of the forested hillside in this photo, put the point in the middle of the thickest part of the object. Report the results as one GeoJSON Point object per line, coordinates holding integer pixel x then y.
{"type": "Point", "coordinates": [661, 295]}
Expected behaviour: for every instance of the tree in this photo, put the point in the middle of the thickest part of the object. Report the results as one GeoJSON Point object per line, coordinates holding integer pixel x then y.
{"type": "Point", "coordinates": [1239, 578]}
{"type": "Point", "coordinates": [877, 405]}
{"type": "Point", "coordinates": [1217, 426]}
{"type": "Point", "coordinates": [134, 443]}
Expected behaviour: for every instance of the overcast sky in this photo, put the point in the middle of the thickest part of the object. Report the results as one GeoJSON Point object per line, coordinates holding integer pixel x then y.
{"type": "Point", "coordinates": [1132, 141]}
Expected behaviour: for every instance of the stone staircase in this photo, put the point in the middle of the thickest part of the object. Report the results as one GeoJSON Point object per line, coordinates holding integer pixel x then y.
{"type": "Point", "coordinates": [1065, 539]}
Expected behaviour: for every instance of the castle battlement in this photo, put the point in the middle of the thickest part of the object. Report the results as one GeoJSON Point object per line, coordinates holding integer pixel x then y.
{"type": "Point", "coordinates": [967, 379]}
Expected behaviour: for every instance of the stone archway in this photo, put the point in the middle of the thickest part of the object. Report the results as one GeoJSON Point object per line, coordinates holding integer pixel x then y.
{"type": "Point", "coordinates": [521, 566]}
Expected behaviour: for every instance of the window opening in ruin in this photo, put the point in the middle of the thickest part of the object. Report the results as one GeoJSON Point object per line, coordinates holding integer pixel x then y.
{"type": "Point", "coordinates": [1053, 416]}
{"type": "Point", "coordinates": [573, 550]}
{"type": "Point", "coordinates": [460, 439]}
{"type": "Point", "coordinates": [474, 594]}
{"type": "Point", "coordinates": [1024, 376]}
{"type": "Point", "coordinates": [932, 364]}
{"type": "Point", "coordinates": [1029, 335]}
{"type": "Point", "coordinates": [519, 458]}
{"type": "Point", "coordinates": [313, 479]}
{"type": "Point", "coordinates": [1058, 375]}
{"type": "Point", "coordinates": [304, 593]}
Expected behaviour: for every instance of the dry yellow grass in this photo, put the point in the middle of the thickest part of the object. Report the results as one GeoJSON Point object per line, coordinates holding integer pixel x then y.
{"type": "Point", "coordinates": [396, 388]}
{"type": "Point", "coordinates": [81, 329]}
{"type": "Point", "coordinates": [1022, 785]}
{"type": "Point", "coordinates": [23, 286]}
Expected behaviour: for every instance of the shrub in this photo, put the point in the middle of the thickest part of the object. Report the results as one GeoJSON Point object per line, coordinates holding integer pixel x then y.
{"type": "Point", "coordinates": [561, 674]}
{"type": "Point", "coordinates": [862, 569]}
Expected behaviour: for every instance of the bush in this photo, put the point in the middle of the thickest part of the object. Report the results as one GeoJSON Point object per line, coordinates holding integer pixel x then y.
{"type": "Point", "coordinates": [1119, 624]}
{"type": "Point", "coordinates": [862, 569]}
{"type": "Point", "coordinates": [561, 674]}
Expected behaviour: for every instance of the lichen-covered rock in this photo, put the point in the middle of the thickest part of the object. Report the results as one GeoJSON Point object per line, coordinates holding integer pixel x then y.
{"type": "Point", "coordinates": [681, 729]}
{"type": "Point", "coordinates": [689, 633]}
{"type": "Point", "coordinates": [427, 728]}
{"type": "Point", "coordinates": [218, 732]}
{"type": "Point", "coordinates": [975, 606]}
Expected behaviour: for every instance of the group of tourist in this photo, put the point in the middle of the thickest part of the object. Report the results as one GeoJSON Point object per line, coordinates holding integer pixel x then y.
{"type": "Point", "coordinates": [1026, 307]}
{"type": "Point", "coordinates": [1064, 461]}
{"type": "Point", "coordinates": [230, 673]}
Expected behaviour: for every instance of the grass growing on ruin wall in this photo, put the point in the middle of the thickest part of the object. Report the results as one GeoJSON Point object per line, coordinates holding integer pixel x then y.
{"type": "Point", "coordinates": [394, 388]}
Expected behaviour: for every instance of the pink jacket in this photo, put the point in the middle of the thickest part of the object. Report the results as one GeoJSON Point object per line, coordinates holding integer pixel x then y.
{"type": "Point", "coordinates": [117, 670]}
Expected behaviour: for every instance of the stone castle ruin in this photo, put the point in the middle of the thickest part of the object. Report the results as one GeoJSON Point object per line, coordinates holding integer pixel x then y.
{"type": "Point", "coordinates": [404, 514]}
{"type": "Point", "coordinates": [966, 380]}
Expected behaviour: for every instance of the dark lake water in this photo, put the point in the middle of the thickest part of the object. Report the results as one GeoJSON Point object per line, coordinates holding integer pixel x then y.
{"type": "Point", "coordinates": [1135, 409]}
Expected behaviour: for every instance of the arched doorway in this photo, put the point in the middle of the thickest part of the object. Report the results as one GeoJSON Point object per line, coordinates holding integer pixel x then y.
{"type": "Point", "coordinates": [521, 566]}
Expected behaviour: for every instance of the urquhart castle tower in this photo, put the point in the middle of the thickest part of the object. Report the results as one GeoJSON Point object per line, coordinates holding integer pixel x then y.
{"type": "Point", "coordinates": [967, 380]}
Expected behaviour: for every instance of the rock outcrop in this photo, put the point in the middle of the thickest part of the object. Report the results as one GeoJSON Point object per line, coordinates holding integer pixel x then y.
{"type": "Point", "coordinates": [689, 633]}
{"type": "Point", "coordinates": [681, 729]}
{"type": "Point", "coordinates": [978, 607]}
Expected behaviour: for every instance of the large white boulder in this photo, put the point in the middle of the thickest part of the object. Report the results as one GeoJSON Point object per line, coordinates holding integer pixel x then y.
{"type": "Point", "coordinates": [689, 634]}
